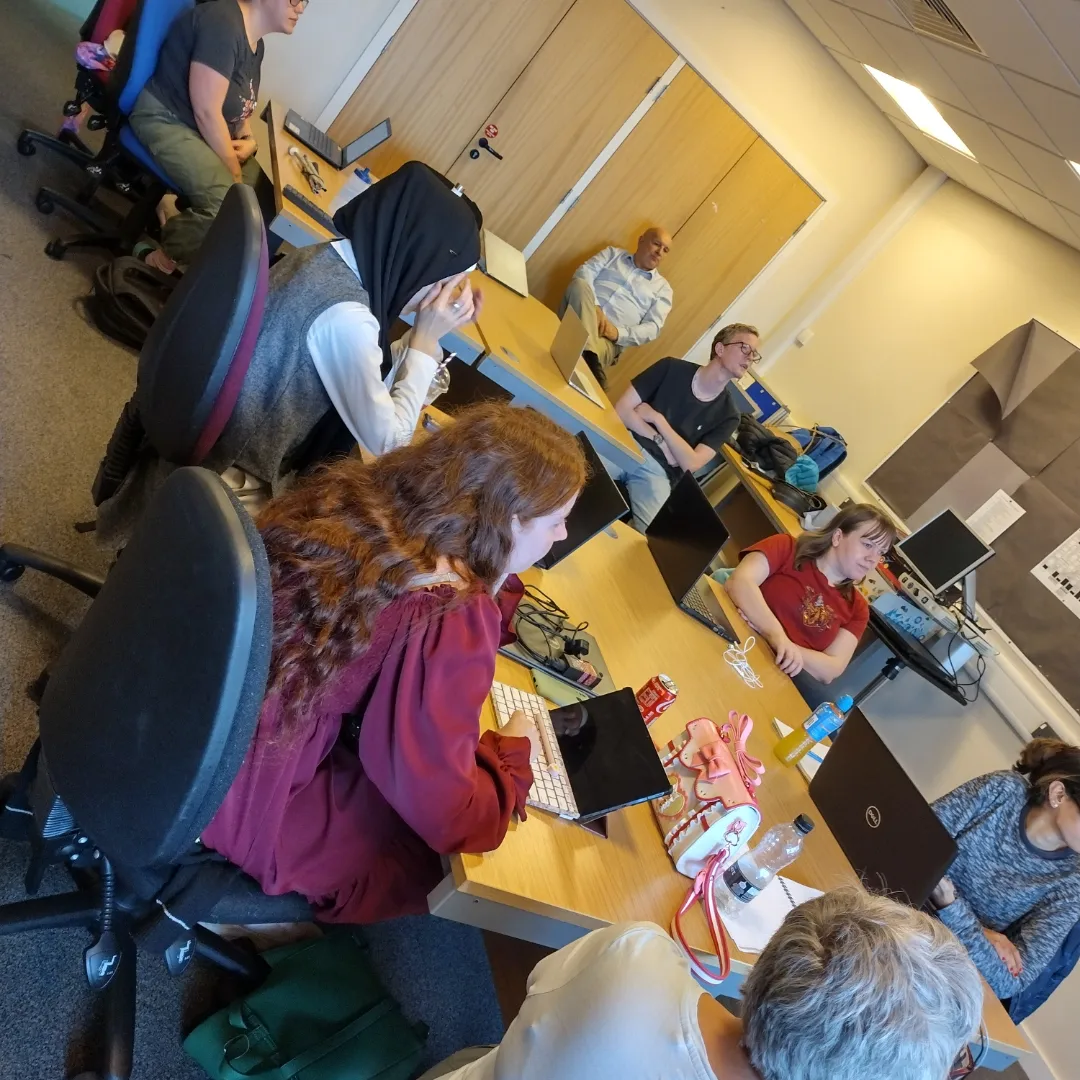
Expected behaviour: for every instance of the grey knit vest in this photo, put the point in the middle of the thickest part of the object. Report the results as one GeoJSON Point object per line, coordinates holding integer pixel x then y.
{"type": "Point", "coordinates": [283, 397]}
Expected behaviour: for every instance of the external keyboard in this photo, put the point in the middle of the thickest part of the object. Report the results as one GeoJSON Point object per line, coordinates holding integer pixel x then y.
{"type": "Point", "coordinates": [311, 209]}
{"type": "Point", "coordinates": [551, 789]}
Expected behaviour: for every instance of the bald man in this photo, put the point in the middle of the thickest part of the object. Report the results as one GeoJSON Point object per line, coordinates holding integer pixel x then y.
{"type": "Point", "coordinates": [622, 299]}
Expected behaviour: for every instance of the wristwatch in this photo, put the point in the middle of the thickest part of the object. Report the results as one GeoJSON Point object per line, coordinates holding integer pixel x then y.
{"type": "Point", "coordinates": [658, 439]}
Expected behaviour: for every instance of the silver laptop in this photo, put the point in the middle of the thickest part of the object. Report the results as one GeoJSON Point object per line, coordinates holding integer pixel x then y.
{"type": "Point", "coordinates": [566, 352]}
{"type": "Point", "coordinates": [503, 263]}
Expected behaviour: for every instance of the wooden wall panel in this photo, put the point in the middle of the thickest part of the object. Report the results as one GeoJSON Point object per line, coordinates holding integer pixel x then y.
{"type": "Point", "coordinates": [742, 224]}
{"type": "Point", "coordinates": [683, 146]}
{"type": "Point", "coordinates": [443, 72]}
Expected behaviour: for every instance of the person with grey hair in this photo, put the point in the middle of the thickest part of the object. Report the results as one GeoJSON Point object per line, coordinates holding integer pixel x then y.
{"type": "Point", "coordinates": [850, 986]}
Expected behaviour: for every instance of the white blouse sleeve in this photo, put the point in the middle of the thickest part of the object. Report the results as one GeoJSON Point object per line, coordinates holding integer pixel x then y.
{"type": "Point", "coordinates": [344, 346]}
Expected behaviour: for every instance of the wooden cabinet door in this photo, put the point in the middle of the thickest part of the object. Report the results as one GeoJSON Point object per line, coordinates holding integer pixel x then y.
{"type": "Point", "coordinates": [681, 149]}
{"type": "Point", "coordinates": [577, 91]}
{"type": "Point", "coordinates": [442, 74]}
{"type": "Point", "coordinates": [740, 226]}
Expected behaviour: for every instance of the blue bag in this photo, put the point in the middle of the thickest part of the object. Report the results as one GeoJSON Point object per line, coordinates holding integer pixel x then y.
{"type": "Point", "coordinates": [825, 445]}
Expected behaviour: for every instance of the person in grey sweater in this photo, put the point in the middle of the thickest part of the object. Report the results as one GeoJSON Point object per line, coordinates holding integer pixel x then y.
{"type": "Point", "coordinates": [1013, 892]}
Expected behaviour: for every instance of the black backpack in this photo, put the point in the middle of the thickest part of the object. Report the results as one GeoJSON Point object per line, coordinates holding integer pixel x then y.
{"type": "Point", "coordinates": [126, 297]}
{"type": "Point", "coordinates": [764, 448]}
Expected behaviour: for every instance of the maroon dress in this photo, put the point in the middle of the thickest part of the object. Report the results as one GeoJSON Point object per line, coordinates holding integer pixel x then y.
{"type": "Point", "coordinates": [360, 835]}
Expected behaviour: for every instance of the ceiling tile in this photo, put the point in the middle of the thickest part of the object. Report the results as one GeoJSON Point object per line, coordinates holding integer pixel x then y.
{"type": "Point", "coordinates": [1048, 171]}
{"type": "Point", "coordinates": [883, 9]}
{"type": "Point", "coordinates": [1006, 32]}
{"type": "Point", "coordinates": [1037, 210]}
{"type": "Point", "coordinates": [984, 144]}
{"type": "Point", "coordinates": [859, 42]}
{"type": "Point", "coordinates": [1059, 20]}
{"type": "Point", "coordinates": [1056, 111]}
{"type": "Point", "coordinates": [1071, 219]}
{"type": "Point", "coordinates": [992, 97]}
{"type": "Point", "coordinates": [918, 65]}
{"type": "Point", "coordinates": [870, 85]}
{"type": "Point", "coordinates": [816, 24]}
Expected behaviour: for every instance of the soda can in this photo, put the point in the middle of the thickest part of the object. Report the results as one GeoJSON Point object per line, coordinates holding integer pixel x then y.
{"type": "Point", "coordinates": [656, 696]}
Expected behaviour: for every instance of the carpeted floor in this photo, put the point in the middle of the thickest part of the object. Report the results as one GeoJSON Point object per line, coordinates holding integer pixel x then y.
{"type": "Point", "coordinates": [61, 388]}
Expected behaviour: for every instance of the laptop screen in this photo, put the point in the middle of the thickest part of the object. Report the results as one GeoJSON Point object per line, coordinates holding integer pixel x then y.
{"type": "Point", "coordinates": [885, 827]}
{"type": "Point", "coordinates": [685, 536]}
{"type": "Point", "coordinates": [608, 753]}
{"type": "Point", "coordinates": [599, 504]}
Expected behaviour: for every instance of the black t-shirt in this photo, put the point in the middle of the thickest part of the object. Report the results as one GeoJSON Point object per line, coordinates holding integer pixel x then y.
{"type": "Point", "coordinates": [666, 386]}
{"type": "Point", "coordinates": [212, 34]}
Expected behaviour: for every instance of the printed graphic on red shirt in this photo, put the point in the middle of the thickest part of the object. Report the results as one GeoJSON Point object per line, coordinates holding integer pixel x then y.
{"type": "Point", "coordinates": [816, 614]}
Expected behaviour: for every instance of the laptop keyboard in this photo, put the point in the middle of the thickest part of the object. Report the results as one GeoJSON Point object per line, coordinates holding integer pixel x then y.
{"type": "Point", "coordinates": [551, 789]}
{"type": "Point", "coordinates": [694, 599]}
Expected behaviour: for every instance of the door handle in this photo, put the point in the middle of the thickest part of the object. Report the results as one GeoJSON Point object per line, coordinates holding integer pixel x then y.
{"type": "Point", "coordinates": [485, 145]}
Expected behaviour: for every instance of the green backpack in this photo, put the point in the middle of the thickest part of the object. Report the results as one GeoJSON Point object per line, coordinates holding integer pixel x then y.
{"type": "Point", "coordinates": [321, 1014]}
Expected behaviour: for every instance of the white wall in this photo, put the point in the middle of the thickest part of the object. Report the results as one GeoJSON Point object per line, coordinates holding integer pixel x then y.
{"type": "Point", "coordinates": [304, 70]}
{"type": "Point", "coordinates": [775, 73]}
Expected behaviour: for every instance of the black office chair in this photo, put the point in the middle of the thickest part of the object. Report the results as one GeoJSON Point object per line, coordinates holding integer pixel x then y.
{"type": "Point", "coordinates": [144, 723]}
{"type": "Point", "coordinates": [122, 156]}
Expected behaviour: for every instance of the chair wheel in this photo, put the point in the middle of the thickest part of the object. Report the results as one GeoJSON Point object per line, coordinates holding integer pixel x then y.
{"type": "Point", "coordinates": [10, 571]}
{"type": "Point", "coordinates": [55, 249]}
{"type": "Point", "coordinates": [72, 108]}
{"type": "Point", "coordinates": [25, 145]}
{"type": "Point", "coordinates": [44, 204]}
{"type": "Point", "coordinates": [96, 122]}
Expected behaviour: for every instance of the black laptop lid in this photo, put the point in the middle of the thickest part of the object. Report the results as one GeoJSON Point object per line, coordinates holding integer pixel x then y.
{"type": "Point", "coordinates": [879, 818]}
{"type": "Point", "coordinates": [685, 536]}
{"type": "Point", "coordinates": [608, 753]}
{"type": "Point", "coordinates": [599, 504]}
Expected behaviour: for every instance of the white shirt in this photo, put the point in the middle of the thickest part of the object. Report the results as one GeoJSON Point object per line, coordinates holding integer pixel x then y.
{"type": "Point", "coordinates": [344, 346]}
{"type": "Point", "coordinates": [635, 301]}
{"type": "Point", "coordinates": [617, 1004]}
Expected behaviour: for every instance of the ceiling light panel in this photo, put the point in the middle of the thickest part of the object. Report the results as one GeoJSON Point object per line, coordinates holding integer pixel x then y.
{"type": "Point", "coordinates": [922, 112]}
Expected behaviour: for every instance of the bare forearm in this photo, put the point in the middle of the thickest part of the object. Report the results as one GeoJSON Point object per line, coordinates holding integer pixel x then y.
{"type": "Point", "coordinates": [682, 451]}
{"type": "Point", "coordinates": [822, 666]}
{"type": "Point", "coordinates": [751, 602]}
{"type": "Point", "coordinates": [215, 131]}
{"type": "Point", "coordinates": [636, 424]}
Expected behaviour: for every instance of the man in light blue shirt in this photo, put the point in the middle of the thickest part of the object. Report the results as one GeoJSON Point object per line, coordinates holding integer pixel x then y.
{"type": "Point", "coordinates": [622, 299]}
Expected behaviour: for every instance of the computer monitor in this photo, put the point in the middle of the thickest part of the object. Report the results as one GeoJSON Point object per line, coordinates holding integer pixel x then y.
{"type": "Point", "coordinates": [599, 504]}
{"type": "Point", "coordinates": [943, 551]}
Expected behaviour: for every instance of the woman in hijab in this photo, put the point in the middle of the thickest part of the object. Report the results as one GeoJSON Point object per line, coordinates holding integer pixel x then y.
{"type": "Point", "coordinates": [324, 375]}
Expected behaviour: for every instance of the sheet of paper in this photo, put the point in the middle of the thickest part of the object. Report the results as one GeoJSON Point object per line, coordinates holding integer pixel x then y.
{"type": "Point", "coordinates": [1060, 572]}
{"type": "Point", "coordinates": [761, 918]}
{"type": "Point", "coordinates": [994, 516]}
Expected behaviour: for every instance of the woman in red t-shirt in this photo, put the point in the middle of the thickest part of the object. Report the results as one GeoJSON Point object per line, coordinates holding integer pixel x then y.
{"type": "Point", "coordinates": [800, 594]}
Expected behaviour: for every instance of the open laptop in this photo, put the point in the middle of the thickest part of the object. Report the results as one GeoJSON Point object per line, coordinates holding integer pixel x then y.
{"type": "Point", "coordinates": [599, 504]}
{"type": "Point", "coordinates": [879, 818]}
{"type": "Point", "coordinates": [570, 339]}
{"type": "Point", "coordinates": [503, 262]}
{"type": "Point", "coordinates": [596, 756]}
{"type": "Point", "coordinates": [684, 538]}
{"type": "Point", "coordinates": [316, 139]}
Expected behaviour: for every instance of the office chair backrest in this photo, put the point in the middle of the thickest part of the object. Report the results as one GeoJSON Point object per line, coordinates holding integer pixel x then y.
{"type": "Point", "coordinates": [143, 38]}
{"type": "Point", "coordinates": [153, 703]}
{"type": "Point", "coordinates": [107, 16]}
{"type": "Point", "coordinates": [198, 351]}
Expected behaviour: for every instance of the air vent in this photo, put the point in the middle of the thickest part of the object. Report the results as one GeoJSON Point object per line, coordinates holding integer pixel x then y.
{"type": "Point", "coordinates": [935, 19]}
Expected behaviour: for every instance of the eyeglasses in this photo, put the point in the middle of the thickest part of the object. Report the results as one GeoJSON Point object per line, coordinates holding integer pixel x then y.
{"type": "Point", "coordinates": [747, 350]}
{"type": "Point", "coordinates": [299, 3]}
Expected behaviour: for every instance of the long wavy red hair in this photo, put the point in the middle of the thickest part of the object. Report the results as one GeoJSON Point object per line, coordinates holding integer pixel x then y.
{"type": "Point", "coordinates": [347, 541]}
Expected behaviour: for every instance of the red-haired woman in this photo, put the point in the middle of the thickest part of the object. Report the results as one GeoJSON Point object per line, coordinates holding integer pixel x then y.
{"type": "Point", "coordinates": [368, 763]}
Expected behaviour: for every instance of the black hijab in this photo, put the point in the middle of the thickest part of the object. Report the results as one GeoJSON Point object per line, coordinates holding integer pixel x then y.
{"type": "Point", "coordinates": [409, 230]}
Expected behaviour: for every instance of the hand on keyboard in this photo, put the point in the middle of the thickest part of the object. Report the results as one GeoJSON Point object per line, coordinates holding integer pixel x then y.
{"type": "Point", "coordinates": [521, 727]}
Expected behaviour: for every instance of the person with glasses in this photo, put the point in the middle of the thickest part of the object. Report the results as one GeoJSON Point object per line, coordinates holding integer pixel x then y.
{"type": "Point", "coordinates": [681, 413]}
{"type": "Point", "coordinates": [621, 298]}
{"type": "Point", "coordinates": [194, 114]}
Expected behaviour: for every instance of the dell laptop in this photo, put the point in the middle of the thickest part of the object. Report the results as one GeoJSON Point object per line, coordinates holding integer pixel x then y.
{"type": "Point", "coordinates": [595, 757]}
{"type": "Point", "coordinates": [879, 818]}
{"type": "Point", "coordinates": [316, 139]}
{"type": "Point", "coordinates": [684, 538]}
{"type": "Point", "coordinates": [598, 506]}
{"type": "Point", "coordinates": [570, 340]}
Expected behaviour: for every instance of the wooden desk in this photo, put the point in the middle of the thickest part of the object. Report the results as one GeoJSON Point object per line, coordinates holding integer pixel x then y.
{"type": "Point", "coordinates": [518, 332]}
{"type": "Point", "coordinates": [782, 517]}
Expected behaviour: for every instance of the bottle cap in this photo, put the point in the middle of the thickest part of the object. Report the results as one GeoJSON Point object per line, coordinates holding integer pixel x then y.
{"type": "Point", "coordinates": [844, 703]}
{"type": "Point", "coordinates": [804, 823]}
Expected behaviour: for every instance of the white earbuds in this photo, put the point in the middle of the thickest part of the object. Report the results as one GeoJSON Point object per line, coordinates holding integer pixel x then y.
{"type": "Point", "coordinates": [735, 655]}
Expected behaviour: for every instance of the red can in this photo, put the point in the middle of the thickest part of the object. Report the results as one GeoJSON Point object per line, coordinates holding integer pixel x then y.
{"type": "Point", "coordinates": [656, 696]}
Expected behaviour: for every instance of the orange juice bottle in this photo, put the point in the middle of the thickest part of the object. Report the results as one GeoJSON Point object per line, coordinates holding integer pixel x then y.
{"type": "Point", "coordinates": [820, 724]}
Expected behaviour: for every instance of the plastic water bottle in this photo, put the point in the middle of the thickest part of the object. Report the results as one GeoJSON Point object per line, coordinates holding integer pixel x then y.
{"type": "Point", "coordinates": [742, 881]}
{"type": "Point", "coordinates": [824, 721]}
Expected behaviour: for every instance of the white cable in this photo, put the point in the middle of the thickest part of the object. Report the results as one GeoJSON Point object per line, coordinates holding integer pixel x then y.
{"type": "Point", "coordinates": [735, 655]}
